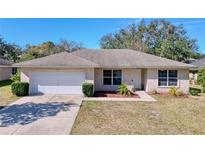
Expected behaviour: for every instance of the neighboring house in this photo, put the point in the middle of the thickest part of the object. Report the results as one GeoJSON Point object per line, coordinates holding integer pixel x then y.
{"type": "Point", "coordinates": [64, 73]}
{"type": "Point", "coordinates": [199, 63]}
{"type": "Point", "coordinates": [5, 69]}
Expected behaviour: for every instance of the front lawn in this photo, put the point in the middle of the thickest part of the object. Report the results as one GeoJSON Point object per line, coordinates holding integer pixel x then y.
{"type": "Point", "coordinates": [169, 115]}
{"type": "Point", "coordinates": [6, 95]}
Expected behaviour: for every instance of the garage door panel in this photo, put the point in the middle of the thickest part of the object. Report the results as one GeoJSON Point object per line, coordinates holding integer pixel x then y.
{"type": "Point", "coordinates": [59, 89]}
{"type": "Point", "coordinates": [57, 82]}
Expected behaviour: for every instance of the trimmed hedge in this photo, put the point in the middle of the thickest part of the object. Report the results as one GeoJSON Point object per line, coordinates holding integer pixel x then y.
{"type": "Point", "coordinates": [194, 91]}
{"type": "Point", "coordinates": [87, 89]}
{"type": "Point", "coordinates": [20, 88]}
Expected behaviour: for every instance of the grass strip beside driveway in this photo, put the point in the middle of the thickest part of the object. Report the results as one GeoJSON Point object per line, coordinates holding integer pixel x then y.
{"type": "Point", "coordinates": [6, 95]}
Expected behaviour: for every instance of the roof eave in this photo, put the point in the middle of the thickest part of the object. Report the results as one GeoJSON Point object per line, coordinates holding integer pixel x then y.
{"type": "Point", "coordinates": [178, 67]}
{"type": "Point", "coordinates": [102, 66]}
{"type": "Point", "coordinates": [19, 66]}
{"type": "Point", "coordinates": [5, 65]}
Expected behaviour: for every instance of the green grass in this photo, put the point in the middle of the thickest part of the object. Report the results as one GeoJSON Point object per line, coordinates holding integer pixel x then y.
{"type": "Point", "coordinates": [170, 115]}
{"type": "Point", "coordinates": [6, 95]}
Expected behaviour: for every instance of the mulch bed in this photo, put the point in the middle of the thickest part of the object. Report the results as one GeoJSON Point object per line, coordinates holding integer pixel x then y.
{"type": "Point", "coordinates": [113, 95]}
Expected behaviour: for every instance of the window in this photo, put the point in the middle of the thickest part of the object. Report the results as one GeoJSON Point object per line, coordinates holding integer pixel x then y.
{"type": "Point", "coordinates": [162, 78]}
{"type": "Point", "coordinates": [112, 77]}
{"type": "Point", "coordinates": [167, 78]}
{"type": "Point", "coordinates": [172, 78]}
{"type": "Point", "coordinates": [107, 77]}
{"type": "Point", "coordinates": [117, 77]}
{"type": "Point", "coordinates": [14, 70]}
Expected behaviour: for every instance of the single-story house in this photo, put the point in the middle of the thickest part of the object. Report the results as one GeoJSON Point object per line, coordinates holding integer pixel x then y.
{"type": "Point", "coordinates": [5, 69]}
{"type": "Point", "coordinates": [64, 73]}
{"type": "Point", "coordinates": [199, 63]}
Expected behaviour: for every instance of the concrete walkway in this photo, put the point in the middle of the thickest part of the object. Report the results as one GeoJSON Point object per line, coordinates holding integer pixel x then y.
{"type": "Point", "coordinates": [42, 115]}
{"type": "Point", "coordinates": [144, 97]}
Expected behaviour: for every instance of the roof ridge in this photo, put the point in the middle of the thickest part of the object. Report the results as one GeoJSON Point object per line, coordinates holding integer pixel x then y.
{"type": "Point", "coordinates": [202, 58]}
{"type": "Point", "coordinates": [59, 56]}
{"type": "Point", "coordinates": [159, 56]}
{"type": "Point", "coordinates": [84, 58]}
{"type": "Point", "coordinates": [132, 50]}
{"type": "Point", "coordinates": [104, 58]}
{"type": "Point", "coordinates": [41, 57]}
{"type": "Point", "coordinates": [89, 54]}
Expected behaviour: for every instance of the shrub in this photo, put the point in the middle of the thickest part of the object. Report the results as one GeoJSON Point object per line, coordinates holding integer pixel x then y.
{"type": "Point", "coordinates": [16, 77]}
{"type": "Point", "coordinates": [124, 90]}
{"type": "Point", "coordinates": [201, 78]}
{"type": "Point", "coordinates": [203, 90]}
{"type": "Point", "coordinates": [20, 88]}
{"type": "Point", "coordinates": [194, 91]}
{"type": "Point", "coordinates": [87, 89]}
{"type": "Point", "coordinates": [179, 93]}
{"type": "Point", "coordinates": [173, 91]}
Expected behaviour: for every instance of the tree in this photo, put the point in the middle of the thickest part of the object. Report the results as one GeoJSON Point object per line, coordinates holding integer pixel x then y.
{"type": "Point", "coordinates": [195, 55]}
{"type": "Point", "coordinates": [48, 48]}
{"type": "Point", "coordinates": [69, 46]}
{"type": "Point", "coordinates": [44, 49]}
{"type": "Point", "coordinates": [9, 51]}
{"type": "Point", "coordinates": [201, 78]}
{"type": "Point", "coordinates": [159, 37]}
{"type": "Point", "coordinates": [130, 37]}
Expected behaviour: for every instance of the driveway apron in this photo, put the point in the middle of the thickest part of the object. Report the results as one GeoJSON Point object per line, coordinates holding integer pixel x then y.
{"type": "Point", "coordinates": [40, 115]}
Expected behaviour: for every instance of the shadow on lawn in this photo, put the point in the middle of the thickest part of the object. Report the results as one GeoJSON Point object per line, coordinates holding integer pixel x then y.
{"type": "Point", "coordinates": [29, 112]}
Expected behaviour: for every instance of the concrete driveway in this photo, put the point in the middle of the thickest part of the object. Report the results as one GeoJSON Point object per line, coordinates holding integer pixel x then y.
{"type": "Point", "coordinates": [42, 115]}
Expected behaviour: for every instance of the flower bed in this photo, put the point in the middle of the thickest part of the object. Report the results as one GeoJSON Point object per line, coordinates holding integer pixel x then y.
{"type": "Point", "coordinates": [113, 95]}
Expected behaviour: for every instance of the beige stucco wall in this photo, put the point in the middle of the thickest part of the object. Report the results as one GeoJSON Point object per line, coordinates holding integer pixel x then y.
{"type": "Point", "coordinates": [136, 77]}
{"type": "Point", "coordinates": [184, 80]}
{"type": "Point", "coordinates": [129, 76]}
{"type": "Point", "coordinates": [151, 77]}
{"type": "Point", "coordinates": [25, 75]}
{"type": "Point", "coordinates": [193, 77]}
{"type": "Point", "coordinates": [5, 73]}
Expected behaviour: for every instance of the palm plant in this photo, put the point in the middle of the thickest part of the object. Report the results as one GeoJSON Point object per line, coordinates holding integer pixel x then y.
{"type": "Point", "coordinates": [123, 90]}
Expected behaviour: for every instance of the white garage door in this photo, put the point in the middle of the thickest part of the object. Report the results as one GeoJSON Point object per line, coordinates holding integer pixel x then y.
{"type": "Point", "coordinates": [57, 82]}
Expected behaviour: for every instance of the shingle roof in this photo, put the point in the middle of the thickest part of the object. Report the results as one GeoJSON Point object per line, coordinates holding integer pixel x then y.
{"type": "Point", "coordinates": [199, 63]}
{"type": "Point", "coordinates": [4, 62]}
{"type": "Point", "coordinates": [63, 59]}
{"type": "Point", "coordinates": [109, 58]}
{"type": "Point", "coordinates": [127, 58]}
